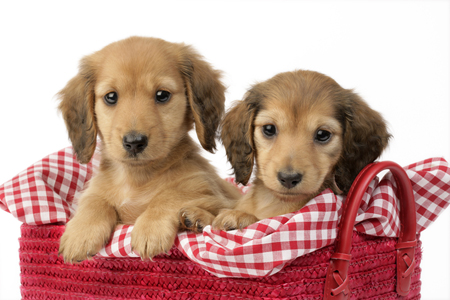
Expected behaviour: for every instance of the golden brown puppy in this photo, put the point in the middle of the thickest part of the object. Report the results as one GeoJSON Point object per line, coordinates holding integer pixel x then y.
{"type": "Point", "coordinates": [141, 96]}
{"type": "Point", "coordinates": [306, 134]}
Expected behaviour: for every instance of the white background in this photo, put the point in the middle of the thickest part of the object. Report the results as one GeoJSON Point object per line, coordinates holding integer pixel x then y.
{"type": "Point", "coordinates": [395, 54]}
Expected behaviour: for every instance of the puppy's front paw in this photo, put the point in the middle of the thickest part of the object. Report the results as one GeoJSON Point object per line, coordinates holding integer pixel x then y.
{"type": "Point", "coordinates": [194, 218]}
{"type": "Point", "coordinates": [80, 242]}
{"type": "Point", "coordinates": [151, 237]}
{"type": "Point", "coordinates": [230, 219]}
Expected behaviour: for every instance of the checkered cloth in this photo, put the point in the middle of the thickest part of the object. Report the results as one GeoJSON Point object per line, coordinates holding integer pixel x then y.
{"type": "Point", "coordinates": [47, 192]}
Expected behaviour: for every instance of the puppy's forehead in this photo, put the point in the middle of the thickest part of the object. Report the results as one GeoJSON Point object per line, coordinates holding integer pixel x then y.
{"type": "Point", "coordinates": [298, 98]}
{"type": "Point", "coordinates": [137, 60]}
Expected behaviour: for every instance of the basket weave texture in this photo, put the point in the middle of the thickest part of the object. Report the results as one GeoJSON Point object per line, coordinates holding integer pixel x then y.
{"type": "Point", "coordinates": [44, 275]}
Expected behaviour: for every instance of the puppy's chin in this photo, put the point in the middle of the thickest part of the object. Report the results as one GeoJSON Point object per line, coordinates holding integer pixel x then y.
{"type": "Point", "coordinates": [127, 159]}
{"type": "Point", "coordinates": [144, 159]}
{"type": "Point", "coordinates": [286, 195]}
{"type": "Point", "coordinates": [291, 197]}
{"type": "Point", "coordinates": [141, 160]}
{"type": "Point", "coordinates": [135, 162]}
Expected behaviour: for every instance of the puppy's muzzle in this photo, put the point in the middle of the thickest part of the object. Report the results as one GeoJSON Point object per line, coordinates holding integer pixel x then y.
{"type": "Point", "coordinates": [135, 143]}
{"type": "Point", "coordinates": [289, 180]}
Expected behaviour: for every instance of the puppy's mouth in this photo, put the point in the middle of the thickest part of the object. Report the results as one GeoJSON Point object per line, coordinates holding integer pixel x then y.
{"type": "Point", "coordinates": [290, 196]}
{"type": "Point", "coordinates": [136, 161]}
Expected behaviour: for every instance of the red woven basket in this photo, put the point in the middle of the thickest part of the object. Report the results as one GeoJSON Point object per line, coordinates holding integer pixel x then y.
{"type": "Point", "coordinates": [357, 266]}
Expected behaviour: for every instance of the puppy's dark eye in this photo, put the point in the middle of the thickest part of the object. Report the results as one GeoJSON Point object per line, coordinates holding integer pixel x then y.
{"type": "Point", "coordinates": [322, 136]}
{"type": "Point", "coordinates": [111, 98]}
{"type": "Point", "coordinates": [269, 130]}
{"type": "Point", "coordinates": [162, 96]}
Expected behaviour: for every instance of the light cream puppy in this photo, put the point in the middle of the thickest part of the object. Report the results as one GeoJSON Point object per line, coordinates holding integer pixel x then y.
{"type": "Point", "coordinates": [141, 97]}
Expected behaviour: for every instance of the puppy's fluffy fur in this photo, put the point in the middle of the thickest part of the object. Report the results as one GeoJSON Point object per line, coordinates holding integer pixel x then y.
{"type": "Point", "coordinates": [305, 133]}
{"type": "Point", "coordinates": [141, 96]}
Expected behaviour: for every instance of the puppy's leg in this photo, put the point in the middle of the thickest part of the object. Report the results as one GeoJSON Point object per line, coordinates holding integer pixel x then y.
{"type": "Point", "coordinates": [194, 218]}
{"type": "Point", "coordinates": [155, 229]}
{"type": "Point", "coordinates": [89, 230]}
{"type": "Point", "coordinates": [230, 219]}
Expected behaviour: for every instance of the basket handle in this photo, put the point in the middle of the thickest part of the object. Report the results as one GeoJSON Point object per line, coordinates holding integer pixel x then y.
{"type": "Point", "coordinates": [337, 281]}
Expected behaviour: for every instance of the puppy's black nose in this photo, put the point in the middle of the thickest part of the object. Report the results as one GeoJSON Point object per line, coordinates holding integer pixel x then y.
{"type": "Point", "coordinates": [289, 180]}
{"type": "Point", "coordinates": [135, 143]}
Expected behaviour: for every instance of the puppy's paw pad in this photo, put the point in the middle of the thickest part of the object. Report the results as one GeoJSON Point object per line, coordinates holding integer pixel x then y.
{"type": "Point", "coordinates": [233, 219]}
{"type": "Point", "coordinates": [194, 219]}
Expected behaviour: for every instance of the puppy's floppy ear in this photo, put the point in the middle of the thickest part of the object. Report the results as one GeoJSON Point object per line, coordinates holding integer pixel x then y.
{"type": "Point", "coordinates": [206, 95]}
{"type": "Point", "coordinates": [365, 138]}
{"type": "Point", "coordinates": [237, 135]}
{"type": "Point", "coordinates": [77, 107]}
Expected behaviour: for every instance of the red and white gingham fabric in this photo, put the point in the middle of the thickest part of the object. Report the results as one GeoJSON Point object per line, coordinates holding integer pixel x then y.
{"type": "Point", "coordinates": [47, 192]}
